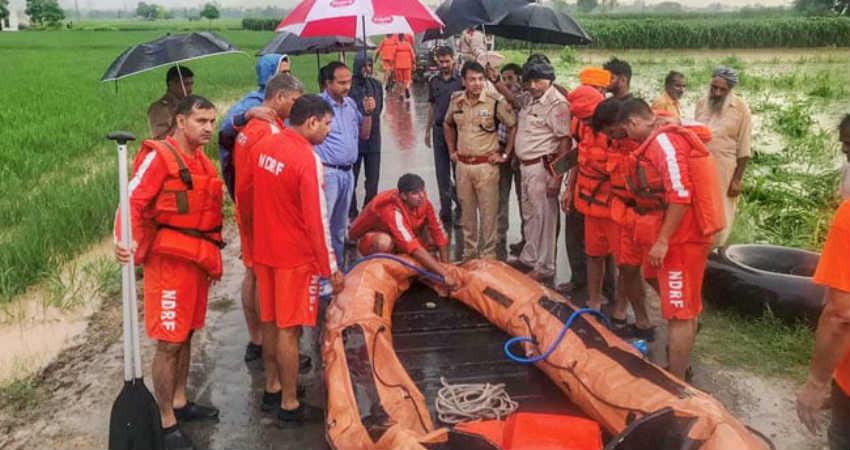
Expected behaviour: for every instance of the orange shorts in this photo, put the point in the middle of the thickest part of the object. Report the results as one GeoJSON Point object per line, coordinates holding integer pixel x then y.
{"type": "Point", "coordinates": [680, 280]}
{"type": "Point", "coordinates": [387, 65]}
{"type": "Point", "coordinates": [246, 238]}
{"type": "Point", "coordinates": [601, 237]}
{"type": "Point", "coordinates": [289, 297]}
{"type": "Point", "coordinates": [175, 297]}
{"type": "Point", "coordinates": [402, 75]}
{"type": "Point", "coordinates": [630, 253]}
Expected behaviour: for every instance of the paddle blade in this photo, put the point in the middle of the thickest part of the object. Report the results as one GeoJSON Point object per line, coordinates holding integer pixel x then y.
{"type": "Point", "coordinates": [135, 422]}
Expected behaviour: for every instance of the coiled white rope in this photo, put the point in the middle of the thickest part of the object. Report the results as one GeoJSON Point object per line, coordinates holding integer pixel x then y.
{"type": "Point", "coordinates": [458, 403]}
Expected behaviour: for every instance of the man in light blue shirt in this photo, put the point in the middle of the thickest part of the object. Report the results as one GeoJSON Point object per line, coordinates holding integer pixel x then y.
{"type": "Point", "coordinates": [339, 151]}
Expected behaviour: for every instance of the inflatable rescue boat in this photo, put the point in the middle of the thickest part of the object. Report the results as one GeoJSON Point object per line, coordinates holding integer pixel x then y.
{"type": "Point", "coordinates": [373, 403]}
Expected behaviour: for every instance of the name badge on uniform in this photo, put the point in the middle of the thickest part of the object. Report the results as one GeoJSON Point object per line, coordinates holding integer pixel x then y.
{"type": "Point", "coordinates": [483, 113]}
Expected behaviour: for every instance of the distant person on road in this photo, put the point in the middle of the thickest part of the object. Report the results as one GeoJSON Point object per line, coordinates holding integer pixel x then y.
{"type": "Point", "coordinates": [828, 383]}
{"type": "Point", "coordinates": [281, 92]}
{"type": "Point", "coordinates": [292, 249]}
{"type": "Point", "coordinates": [731, 124]}
{"type": "Point", "coordinates": [369, 155]}
{"type": "Point", "coordinates": [403, 220]}
{"type": "Point", "coordinates": [471, 130]}
{"type": "Point", "coordinates": [403, 63]}
{"type": "Point", "coordinates": [472, 45]}
{"type": "Point", "coordinates": [674, 88]}
{"type": "Point", "coordinates": [340, 150]}
{"type": "Point", "coordinates": [440, 90]}
{"type": "Point", "coordinates": [179, 81]}
{"type": "Point", "coordinates": [387, 51]}
{"type": "Point", "coordinates": [178, 243]}
{"type": "Point", "coordinates": [249, 107]}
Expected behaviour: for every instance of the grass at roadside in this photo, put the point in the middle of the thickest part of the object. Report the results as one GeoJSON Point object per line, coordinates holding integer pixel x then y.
{"type": "Point", "coordinates": [56, 168]}
{"type": "Point", "coordinates": [764, 345]}
{"type": "Point", "coordinates": [21, 393]}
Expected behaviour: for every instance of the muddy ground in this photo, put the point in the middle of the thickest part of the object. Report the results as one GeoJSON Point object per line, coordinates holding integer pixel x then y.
{"type": "Point", "coordinates": [76, 391]}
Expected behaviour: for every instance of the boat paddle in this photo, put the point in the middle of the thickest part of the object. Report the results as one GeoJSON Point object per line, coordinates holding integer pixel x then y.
{"type": "Point", "coordinates": [134, 423]}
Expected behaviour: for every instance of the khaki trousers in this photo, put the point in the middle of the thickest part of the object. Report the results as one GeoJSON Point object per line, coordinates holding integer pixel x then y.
{"type": "Point", "coordinates": [540, 214]}
{"type": "Point", "coordinates": [725, 170]}
{"type": "Point", "coordinates": [478, 194]}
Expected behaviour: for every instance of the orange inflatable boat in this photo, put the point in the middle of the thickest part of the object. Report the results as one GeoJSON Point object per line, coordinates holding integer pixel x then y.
{"type": "Point", "coordinates": [372, 402]}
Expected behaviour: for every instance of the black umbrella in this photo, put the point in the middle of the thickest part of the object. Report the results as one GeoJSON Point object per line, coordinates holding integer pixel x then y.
{"type": "Point", "coordinates": [167, 50]}
{"type": "Point", "coordinates": [291, 44]}
{"type": "Point", "coordinates": [459, 15]}
{"type": "Point", "coordinates": [540, 24]}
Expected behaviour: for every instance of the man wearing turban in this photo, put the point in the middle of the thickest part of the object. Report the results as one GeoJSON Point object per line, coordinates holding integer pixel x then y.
{"type": "Point", "coordinates": [595, 77]}
{"type": "Point", "coordinates": [730, 121]}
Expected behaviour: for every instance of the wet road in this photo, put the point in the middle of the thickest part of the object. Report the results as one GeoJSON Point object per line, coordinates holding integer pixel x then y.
{"type": "Point", "coordinates": [221, 377]}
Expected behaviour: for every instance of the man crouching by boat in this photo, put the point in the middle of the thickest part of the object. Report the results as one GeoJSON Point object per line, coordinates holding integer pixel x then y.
{"type": "Point", "coordinates": [673, 179]}
{"type": "Point", "coordinates": [403, 221]}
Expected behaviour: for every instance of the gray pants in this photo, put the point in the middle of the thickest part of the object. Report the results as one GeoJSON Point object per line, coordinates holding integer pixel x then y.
{"type": "Point", "coordinates": [541, 220]}
{"type": "Point", "coordinates": [445, 169]}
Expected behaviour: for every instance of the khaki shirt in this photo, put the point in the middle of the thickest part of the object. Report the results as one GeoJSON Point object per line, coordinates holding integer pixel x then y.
{"type": "Point", "coordinates": [665, 102]}
{"type": "Point", "coordinates": [730, 129]}
{"type": "Point", "coordinates": [477, 130]}
{"type": "Point", "coordinates": [161, 115]}
{"type": "Point", "coordinates": [541, 124]}
{"type": "Point", "coordinates": [471, 46]}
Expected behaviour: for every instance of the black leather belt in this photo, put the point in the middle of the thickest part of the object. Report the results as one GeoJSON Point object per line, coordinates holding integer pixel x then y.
{"type": "Point", "coordinates": [334, 166]}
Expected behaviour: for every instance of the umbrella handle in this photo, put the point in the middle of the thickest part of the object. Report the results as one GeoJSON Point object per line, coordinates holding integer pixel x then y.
{"type": "Point", "coordinates": [128, 282]}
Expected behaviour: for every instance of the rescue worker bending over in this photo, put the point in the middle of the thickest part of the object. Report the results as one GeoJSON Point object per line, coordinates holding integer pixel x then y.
{"type": "Point", "coordinates": [674, 182]}
{"type": "Point", "coordinates": [403, 221]}
{"type": "Point", "coordinates": [175, 211]}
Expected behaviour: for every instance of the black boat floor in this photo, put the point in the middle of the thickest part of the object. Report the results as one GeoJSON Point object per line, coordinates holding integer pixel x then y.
{"type": "Point", "coordinates": [436, 337]}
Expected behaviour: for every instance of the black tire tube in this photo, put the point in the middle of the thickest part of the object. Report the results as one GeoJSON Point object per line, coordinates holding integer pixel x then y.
{"type": "Point", "coordinates": [751, 291]}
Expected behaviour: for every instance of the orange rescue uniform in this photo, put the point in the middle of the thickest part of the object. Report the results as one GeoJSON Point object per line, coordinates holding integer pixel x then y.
{"type": "Point", "coordinates": [834, 272]}
{"type": "Point", "coordinates": [387, 51]}
{"type": "Point", "coordinates": [254, 132]}
{"type": "Point", "coordinates": [292, 244]}
{"type": "Point", "coordinates": [408, 228]}
{"type": "Point", "coordinates": [403, 62]}
{"type": "Point", "coordinates": [661, 174]}
{"type": "Point", "coordinates": [631, 254]}
{"type": "Point", "coordinates": [175, 211]}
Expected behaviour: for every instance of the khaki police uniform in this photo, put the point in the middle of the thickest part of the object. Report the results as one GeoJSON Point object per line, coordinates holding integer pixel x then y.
{"type": "Point", "coordinates": [477, 122]}
{"type": "Point", "coordinates": [161, 115]}
{"type": "Point", "coordinates": [541, 125]}
{"type": "Point", "coordinates": [472, 45]}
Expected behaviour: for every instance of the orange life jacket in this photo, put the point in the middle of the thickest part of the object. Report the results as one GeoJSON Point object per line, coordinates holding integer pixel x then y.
{"type": "Point", "coordinates": [593, 183]}
{"type": "Point", "coordinates": [646, 185]}
{"type": "Point", "coordinates": [184, 220]}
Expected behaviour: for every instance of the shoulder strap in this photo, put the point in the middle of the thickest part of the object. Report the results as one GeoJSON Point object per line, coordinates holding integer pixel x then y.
{"type": "Point", "coordinates": [183, 171]}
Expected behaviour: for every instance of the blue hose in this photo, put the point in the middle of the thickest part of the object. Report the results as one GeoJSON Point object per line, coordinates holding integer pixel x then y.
{"type": "Point", "coordinates": [404, 263]}
{"type": "Point", "coordinates": [555, 344]}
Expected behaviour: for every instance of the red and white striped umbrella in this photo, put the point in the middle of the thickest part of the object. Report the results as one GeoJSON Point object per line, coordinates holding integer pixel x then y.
{"type": "Point", "coordinates": [355, 18]}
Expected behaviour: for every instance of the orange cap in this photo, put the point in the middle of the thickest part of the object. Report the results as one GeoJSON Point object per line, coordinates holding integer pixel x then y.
{"type": "Point", "coordinates": [595, 76]}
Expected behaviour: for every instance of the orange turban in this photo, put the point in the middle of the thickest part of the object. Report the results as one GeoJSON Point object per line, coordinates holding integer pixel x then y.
{"type": "Point", "coordinates": [583, 101]}
{"type": "Point", "coordinates": [595, 76]}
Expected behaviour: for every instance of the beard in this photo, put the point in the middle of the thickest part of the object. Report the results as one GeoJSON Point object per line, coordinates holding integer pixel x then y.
{"type": "Point", "coordinates": [716, 103]}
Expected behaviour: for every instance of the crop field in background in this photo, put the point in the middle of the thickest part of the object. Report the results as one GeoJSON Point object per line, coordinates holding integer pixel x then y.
{"type": "Point", "coordinates": [57, 170]}
{"type": "Point", "coordinates": [797, 98]}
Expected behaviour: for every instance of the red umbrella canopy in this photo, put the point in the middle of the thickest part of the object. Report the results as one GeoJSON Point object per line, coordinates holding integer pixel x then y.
{"type": "Point", "coordinates": [314, 18]}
